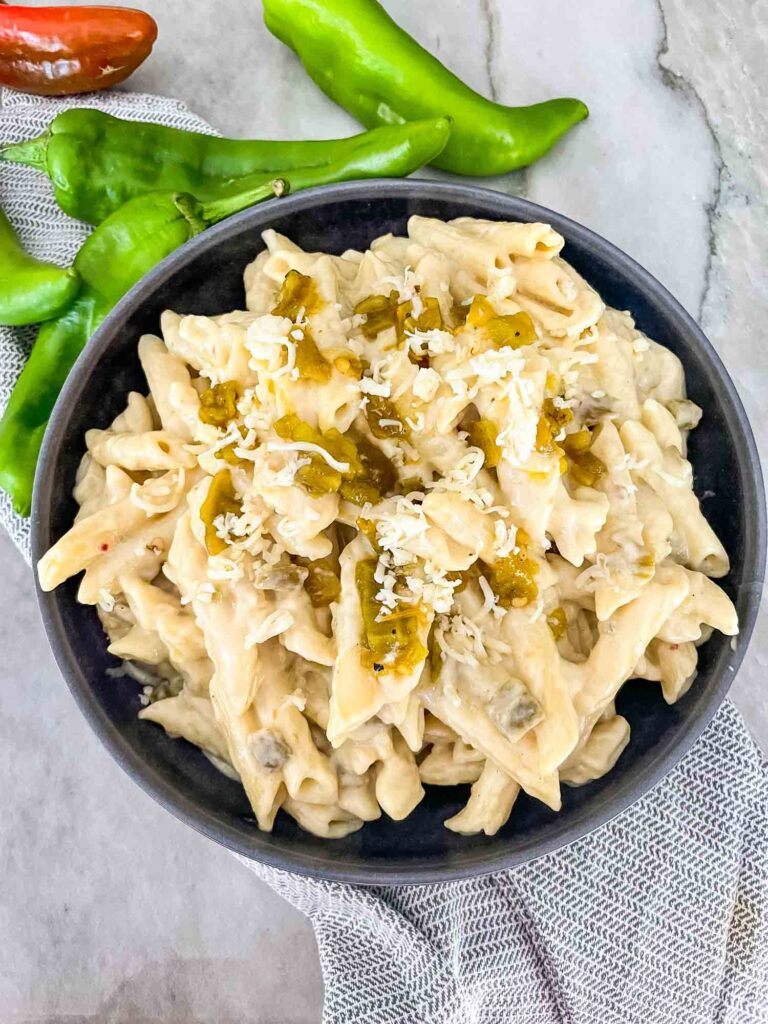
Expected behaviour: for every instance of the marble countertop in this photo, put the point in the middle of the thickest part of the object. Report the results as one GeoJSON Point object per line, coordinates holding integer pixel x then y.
{"type": "Point", "coordinates": [112, 911]}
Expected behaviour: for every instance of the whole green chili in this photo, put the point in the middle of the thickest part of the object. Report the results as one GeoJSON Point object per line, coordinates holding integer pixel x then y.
{"type": "Point", "coordinates": [30, 290]}
{"type": "Point", "coordinates": [97, 162]}
{"type": "Point", "coordinates": [119, 252]}
{"type": "Point", "coordinates": [392, 151]}
{"type": "Point", "coordinates": [134, 239]}
{"type": "Point", "coordinates": [365, 62]}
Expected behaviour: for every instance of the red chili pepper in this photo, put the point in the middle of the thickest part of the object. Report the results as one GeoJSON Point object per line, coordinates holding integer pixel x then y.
{"type": "Point", "coordinates": [57, 51]}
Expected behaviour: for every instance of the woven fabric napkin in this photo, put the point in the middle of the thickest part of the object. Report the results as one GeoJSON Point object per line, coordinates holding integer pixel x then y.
{"type": "Point", "coordinates": [660, 917]}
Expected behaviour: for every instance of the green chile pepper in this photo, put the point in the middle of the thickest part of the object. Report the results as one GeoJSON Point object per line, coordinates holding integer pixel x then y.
{"type": "Point", "coordinates": [365, 62]}
{"type": "Point", "coordinates": [132, 241]}
{"type": "Point", "coordinates": [118, 253]}
{"type": "Point", "coordinates": [30, 290]}
{"type": "Point", "coordinates": [97, 162]}
{"type": "Point", "coordinates": [392, 151]}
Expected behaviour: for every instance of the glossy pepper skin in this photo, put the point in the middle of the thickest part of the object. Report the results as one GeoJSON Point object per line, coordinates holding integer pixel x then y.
{"type": "Point", "coordinates": [392, 151]}
{"type": "Point", "coordinates": [59, 51]}
{"type": "Point", "coordinates": [365, 62]}
{"type": "Point", "coordinates": [97, 162]}
{"type": "Point", "coordinates": [132, 241]}
{"type": "Point", "coordinates": [30, 290]}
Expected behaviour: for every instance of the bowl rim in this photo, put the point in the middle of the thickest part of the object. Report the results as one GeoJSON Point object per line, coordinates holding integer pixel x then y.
{"type": "Point", "coordinates": [503, 856]}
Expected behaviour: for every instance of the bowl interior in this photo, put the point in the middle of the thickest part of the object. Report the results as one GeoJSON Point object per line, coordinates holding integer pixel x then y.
{"type": "Point", "coordinates": [206, 277]}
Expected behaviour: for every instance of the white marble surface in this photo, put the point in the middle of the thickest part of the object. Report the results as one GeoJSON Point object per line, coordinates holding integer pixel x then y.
{"type": "Point", "coordinates": [110, 910]}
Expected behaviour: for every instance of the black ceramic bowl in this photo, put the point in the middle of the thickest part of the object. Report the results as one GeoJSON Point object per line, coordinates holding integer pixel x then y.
{"type": "Point", "coordinates": [205, 276]}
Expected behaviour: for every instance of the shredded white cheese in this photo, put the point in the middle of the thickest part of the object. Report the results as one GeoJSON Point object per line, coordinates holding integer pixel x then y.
{"type": "Point", "coordinates": [381, 389]}
{"type": "Point", "coordinates": [505, 538]}
{"type": "Point", "coordinates": [426, 383]}
{"type": "Point", "coordinates": [285, 476]}
{"type": "Point", "coordinates": [466, 642]}
{"type": "Point", "coordinates": [268, 343]}
{"type": "Point", "coordinates": [308, 446]}
{"type": "Point", "coordinates": [406, 285]}
{"type": "Point", "coordinates": [489, 598]}
{"type": "Point", "coordinates": [436, 591]}
{"type": "Point", "coordinates": [433, 342]}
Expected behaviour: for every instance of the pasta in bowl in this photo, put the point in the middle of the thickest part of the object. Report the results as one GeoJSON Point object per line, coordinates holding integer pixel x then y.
{"type": "Point", "coordinates": [410, 518]}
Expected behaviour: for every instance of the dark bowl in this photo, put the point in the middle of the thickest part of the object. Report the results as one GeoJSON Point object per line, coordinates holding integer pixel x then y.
{"type": "Point", "coordinates": [205, 276]}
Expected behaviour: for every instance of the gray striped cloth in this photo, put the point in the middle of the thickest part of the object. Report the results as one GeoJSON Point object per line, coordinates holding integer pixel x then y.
{"type": "Point", "coordinates": [660, 917]}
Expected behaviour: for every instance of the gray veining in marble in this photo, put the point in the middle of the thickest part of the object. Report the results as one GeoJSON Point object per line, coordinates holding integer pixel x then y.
{"type": "Point", "coordinates": [110, 910]}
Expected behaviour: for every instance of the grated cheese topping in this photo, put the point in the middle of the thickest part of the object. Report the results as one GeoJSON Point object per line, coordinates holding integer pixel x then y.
{"type": "Point", "coordinates": [461, 639]}
{"type": "Point", "coordinates": [268, 341]}
{"type": "Point", "coordinates": [379, 388]}
{"type": "Point", "coordinates": [426, 384]}
{"type": "Point", "coordinates": [490, 601]}
{"type": "Point", "coordinates": [434, 342]}
{"type": "Point", "coordinates": [308, 446]}
{"type": "Point", "coordinates": [505, 538]}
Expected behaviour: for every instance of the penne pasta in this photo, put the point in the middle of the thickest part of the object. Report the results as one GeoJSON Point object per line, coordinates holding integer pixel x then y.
{"type": "Point", "coordinates": [411, 518]}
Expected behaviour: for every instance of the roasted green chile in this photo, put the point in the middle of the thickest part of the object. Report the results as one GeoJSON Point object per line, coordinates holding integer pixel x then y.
{"type": "Point", "coordinates": [31, 291]}
{"type": "Point", "coordinates": [365, 62]}
{"type": "Point", "coordinates": [97, 162]}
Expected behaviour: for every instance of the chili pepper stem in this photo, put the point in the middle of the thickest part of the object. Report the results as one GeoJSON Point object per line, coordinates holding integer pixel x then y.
{"type": "Point", "coordinates": [219, 209]}
{"type": "Point", "coordinates": [30, 152]}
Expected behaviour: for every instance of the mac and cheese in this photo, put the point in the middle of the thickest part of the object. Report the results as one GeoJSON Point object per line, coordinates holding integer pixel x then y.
{"type": "Point", "coordinates": [412, 517]}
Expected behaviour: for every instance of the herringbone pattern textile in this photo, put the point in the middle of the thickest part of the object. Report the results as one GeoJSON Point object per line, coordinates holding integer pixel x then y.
{"type": "Point", "coordinates": [659, 917]}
